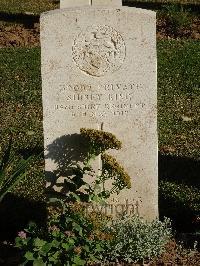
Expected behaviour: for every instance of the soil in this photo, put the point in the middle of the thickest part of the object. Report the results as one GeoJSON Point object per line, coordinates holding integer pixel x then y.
{"type": "Point", "coordinates": [166, 30]}
{"type": "Point", "coordinates": [19, 36]}
{"type": "Point", "coordinates": [176, 255]}
{"type": "Point", "coordinates": [23, 36]}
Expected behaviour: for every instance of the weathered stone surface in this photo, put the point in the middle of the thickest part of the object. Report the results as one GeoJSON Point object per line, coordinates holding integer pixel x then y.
{"type": "Point", "coordinates": [99, 71]}
{"type": "Point", "coordinates": [107, 3]}
{"type": "Point", "coordinates": [74, 3]}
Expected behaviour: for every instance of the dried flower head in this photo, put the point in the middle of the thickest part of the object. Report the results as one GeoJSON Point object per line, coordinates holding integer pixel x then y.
{"type": "Point", "coordinates": [69, 233]}
{"type": "Point", "coordinates": [78, 250]}
{"type": "Point", "coordinates": [77, 207]}
{"type": "Point", "coordinates": [54, 228]}
{"type": "Point", "coordinates": [112, 168]}
{"type": "Point", "coordinates": [54, 211]}
{"type": "Point", "coordinates": [91, 237]}
{"type": "Point", "coordinates": [104, 236]}
{"type": "Point", "coordinates": [104, 140]}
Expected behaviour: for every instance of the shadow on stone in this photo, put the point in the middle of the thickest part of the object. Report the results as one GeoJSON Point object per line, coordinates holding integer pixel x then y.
{"type": "Point", "coordinates": [65, 152]}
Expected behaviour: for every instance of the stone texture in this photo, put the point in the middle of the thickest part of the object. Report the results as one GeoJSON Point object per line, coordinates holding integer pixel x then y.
{"type": "Point", "coordinates": [99, 71]}
{"type": "Point", "coordinates": [107, 3]}
{"type": "Point", "coordinates": [74, 3]}
{"type": "Point", "coordinates": [78, 3]}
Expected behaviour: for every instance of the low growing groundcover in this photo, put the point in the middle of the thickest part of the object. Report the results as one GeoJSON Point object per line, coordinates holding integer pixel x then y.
{"type": "Point", "coordinates": [178, 114]}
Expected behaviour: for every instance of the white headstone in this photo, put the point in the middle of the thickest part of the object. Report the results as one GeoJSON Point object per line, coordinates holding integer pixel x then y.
{"type": "Point", "coordinates": [99, 68]}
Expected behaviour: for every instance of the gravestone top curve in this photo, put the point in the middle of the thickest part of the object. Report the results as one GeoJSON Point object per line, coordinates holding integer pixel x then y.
{"type": "Point", "coordinates": [100, 8]}
{"type": "Point", "coordinates": [76, 3]}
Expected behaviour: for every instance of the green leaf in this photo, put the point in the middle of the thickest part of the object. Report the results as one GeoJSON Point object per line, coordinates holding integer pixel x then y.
{"type": "Point", "coordinates": [86, 248]}
{"type": "Point", "coordinates": [75, 196]}
{"type": "Point", "coordinates": [39, 262]}
{"type": "Point", "coordinates": [18, 173]}
{"type": "Point", "coordinates": [55, 258]}
{"type": "Point", "coordinates": [78, 261]}
{"type": "Point", "coordinates": [71, 241]}
{"type": "Point", "coordinates": [29, 255]}
{"type": "Point", "coordinates": [55, 243]}
{"type": "Point", "coordinates": [46, 247]}
{"type": "Point", "coordinates": [94, 198]}
{"type": "Point", "coordinates": [39, 242]}
{"type": "Point", "coordinates": [98, 248]}
{"type": "Point", "coordinates": [78, 228]}
{"type": "Point", "coordinates": [18, 242]}
{"type": "Point", "coordinates": [65, 246]}
{"type": "Point", "coordinates": [92, 257]}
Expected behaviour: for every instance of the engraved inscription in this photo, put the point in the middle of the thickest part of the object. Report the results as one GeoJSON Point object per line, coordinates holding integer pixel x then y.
{"type": "Point", "coordinates": [106, 87]}
{"type": "Point", "coordinates": [82, 100]}
{"type": "Point", "coordinates": [99, 50]}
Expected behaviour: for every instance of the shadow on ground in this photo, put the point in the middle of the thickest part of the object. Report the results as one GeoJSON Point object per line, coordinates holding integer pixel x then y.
{"type": "Point", "coordinates": [182, 169]}
{"type": "Point", "coordinates": [179, 196]}
{"type": "Point", "coordinates": [16, 213]}
{"type": "Point", "coordinates": [27, 20]}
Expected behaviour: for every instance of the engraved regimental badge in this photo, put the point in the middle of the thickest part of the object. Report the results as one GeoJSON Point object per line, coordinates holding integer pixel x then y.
{"type": "Point", "coordinates": [99, 50]}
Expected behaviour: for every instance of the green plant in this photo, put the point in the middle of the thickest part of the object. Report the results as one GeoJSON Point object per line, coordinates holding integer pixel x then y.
{"type": "Point", "coordinates": [135, 239]}
{"type": "Point", "coordinates": [11, 172]}
{"type": "Point", "coordinates": [111, 172]}
{"type": "Point", "coordinates": [99, 141]}
{"type": "Point", "coordinates": [71, 238]}
{"type": "Point", "coordinates": [73, 235]}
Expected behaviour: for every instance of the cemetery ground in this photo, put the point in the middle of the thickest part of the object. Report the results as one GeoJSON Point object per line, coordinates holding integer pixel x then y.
{"type": "Point", "coordinates": [178, 49]}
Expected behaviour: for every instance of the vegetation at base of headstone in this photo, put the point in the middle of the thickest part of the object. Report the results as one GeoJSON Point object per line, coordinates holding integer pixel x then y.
{"type": "Point", "coordinates": [11, 172]}
{"type": "Point", "coordinates": [72, 237]}
{"type": "Point", "coordinates": [76, 237]}
{"type": "Point", "coordinates": [135, 239]}
{"type": "Point", "coordinates": [97, 142]}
